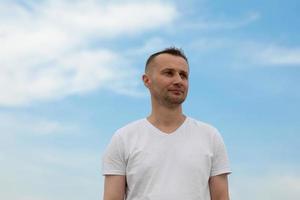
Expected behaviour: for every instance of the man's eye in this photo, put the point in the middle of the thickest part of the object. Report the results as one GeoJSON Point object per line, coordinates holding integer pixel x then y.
{"type": "Point", "coordinates": [169, 73]}
{"type": "Point", "coordinates": [184, 76]}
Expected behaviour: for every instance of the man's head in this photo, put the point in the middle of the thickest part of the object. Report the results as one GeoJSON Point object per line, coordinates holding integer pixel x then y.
{"type": "Point", "coordinates": [172, 51]}
{"type": "Point", "coordinates": [166, 77]}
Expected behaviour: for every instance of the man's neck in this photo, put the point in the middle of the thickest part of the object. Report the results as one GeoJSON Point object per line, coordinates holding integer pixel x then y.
{"type": "Point", "coordinates": [166, 117]}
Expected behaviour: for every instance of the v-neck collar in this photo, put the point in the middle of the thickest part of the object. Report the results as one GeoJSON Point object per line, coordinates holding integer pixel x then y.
{"type": "Point", "coordinates": [157, 130]}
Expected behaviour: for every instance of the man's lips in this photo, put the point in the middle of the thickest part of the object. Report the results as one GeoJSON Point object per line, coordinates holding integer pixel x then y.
{"type": "Point", "coordinates": [176, 91]}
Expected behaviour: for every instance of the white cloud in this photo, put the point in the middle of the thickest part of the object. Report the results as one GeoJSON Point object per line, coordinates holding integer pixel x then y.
{"type": "Point", "coordinates": [45, 52]}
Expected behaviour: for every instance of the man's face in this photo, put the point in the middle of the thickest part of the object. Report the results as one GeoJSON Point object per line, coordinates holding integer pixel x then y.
{"type": "Point", "coordinates": [167, 79]}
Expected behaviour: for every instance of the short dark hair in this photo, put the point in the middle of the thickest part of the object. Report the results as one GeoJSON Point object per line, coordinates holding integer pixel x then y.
{"type": "Point", "coordinates": [170, 50]}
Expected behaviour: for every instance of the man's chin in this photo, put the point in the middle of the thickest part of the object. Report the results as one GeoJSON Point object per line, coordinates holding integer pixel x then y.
{"type": "Point", "coordinates": [175, 101]}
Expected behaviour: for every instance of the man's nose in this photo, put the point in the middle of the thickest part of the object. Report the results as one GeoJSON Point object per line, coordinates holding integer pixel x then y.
{"type": "Point", "coordinates": [177, 78]}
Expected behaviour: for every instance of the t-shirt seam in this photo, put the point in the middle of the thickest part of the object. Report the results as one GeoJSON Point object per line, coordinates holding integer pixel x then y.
{"type": "Point", "coordinates": [220, 171]}
{"type": "Point", "coordinates": [118, 172]}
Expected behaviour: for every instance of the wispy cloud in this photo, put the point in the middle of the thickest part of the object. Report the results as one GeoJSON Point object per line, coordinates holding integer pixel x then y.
{"type": "Point", "coordinates": [32, 159]}
{"type": "Point", "coordinates": [267, 54]}
{"type": "Point", "coordinates": [248, 51]}
{"type": "Point", "coordinates": [277, 55]}
{"type": "Point", "coordinates": [14, 126]}
{"type": "Point", "coordinates": [211, 24]}
{"type": "Point", "coordinates": [151, 45]}
{"type": "Point", "coordinates": [269, 186]}
{"type": "Point", "coordinates": [45, 48]}
{"type": "Point", "coordinates": [41, 173]}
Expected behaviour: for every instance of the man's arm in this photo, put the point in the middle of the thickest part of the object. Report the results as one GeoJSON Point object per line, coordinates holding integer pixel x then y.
{"type": "Point", "coordinates": [218, 186]}
{"type": "Point", "coordinates": [114, 187]}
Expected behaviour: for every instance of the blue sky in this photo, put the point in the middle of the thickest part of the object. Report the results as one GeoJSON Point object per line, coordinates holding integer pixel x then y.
{"type": "Point", "coordinates": [70, 75]}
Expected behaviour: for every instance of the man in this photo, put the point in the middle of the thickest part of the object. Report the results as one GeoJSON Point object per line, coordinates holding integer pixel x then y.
{"type": "Point", "coordinates": [166, 156]}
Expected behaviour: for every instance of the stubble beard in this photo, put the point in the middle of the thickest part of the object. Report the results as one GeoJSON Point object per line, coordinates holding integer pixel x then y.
{"type": "Point", "coordinates": [166, 99]}
{"type": "Point", "coordinates": [171, 101]}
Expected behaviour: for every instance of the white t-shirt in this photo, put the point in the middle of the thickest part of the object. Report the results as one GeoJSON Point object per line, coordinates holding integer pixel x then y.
{"type": "Point", "coordinates": [160, 166]}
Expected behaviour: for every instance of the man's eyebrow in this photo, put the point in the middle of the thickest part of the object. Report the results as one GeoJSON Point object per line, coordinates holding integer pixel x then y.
{"type": "Point", "coordinates": [172, 69]}
{"type": "Point", "coordinates": [184, 71]}
{"type": "Point", "coordinates": [168, 68]}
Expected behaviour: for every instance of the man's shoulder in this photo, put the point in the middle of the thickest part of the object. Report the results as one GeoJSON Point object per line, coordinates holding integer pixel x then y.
{"type": "Point", "coordinates": [203, 126]}
{"type": "Point", "coordinates": [200, 124]}
{"type": "Point", "coordinates": [131, 126]}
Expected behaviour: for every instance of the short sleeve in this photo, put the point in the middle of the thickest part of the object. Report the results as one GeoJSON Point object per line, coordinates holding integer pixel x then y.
{"type": "Point", "coordinates": [220, 161]}
{"type": "Point", "coordinates": [113, 161]}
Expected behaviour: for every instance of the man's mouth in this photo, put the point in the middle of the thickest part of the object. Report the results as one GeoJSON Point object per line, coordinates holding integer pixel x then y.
{"type": "Point", "coordinates": [176, 91]}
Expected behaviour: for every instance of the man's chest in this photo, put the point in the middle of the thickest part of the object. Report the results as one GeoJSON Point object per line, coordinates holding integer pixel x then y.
{"type": "Point", "coordinates": [186, 156]}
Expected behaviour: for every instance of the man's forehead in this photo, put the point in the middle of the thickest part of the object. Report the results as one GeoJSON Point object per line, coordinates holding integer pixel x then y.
{"type": "Point", "coordinates": [170, 61]}
{"type": "Point", "coordinates": [169, 57]}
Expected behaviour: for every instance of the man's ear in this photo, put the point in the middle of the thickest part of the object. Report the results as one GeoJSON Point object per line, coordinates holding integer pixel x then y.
{"type": "Point", "coordinates": [146, 80]}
